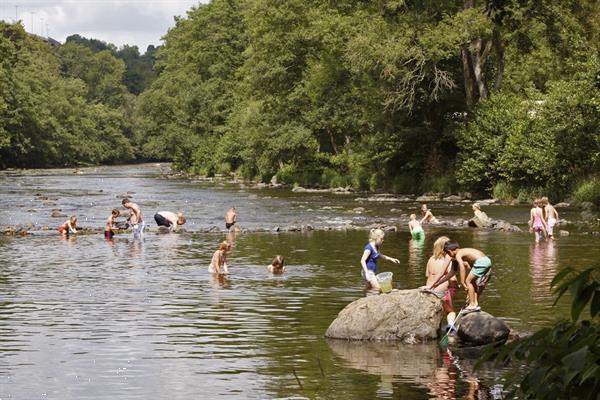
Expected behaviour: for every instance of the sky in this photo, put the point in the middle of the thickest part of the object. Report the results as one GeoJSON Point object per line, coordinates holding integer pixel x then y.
{"type": "Point", "coordinates": [132, 22]}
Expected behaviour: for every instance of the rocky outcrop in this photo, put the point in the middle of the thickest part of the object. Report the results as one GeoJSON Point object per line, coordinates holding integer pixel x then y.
{"type": "Point", "coordinates": [495, 224]}
{"type": "Point", "coordinates": [480, 328]}
{"type": "Point", "coordinates": [404, 315]}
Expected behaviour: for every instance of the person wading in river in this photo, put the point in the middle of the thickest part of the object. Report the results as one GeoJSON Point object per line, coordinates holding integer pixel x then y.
{"type": "Point", "coordinates": [369, 258]}
{"type": "Point", "coordinates": [550, 215]}
{"type": "Point", "coordinates": [230, 218]}
{"type": "Point", "coordinates": [108, 230]}
{"type": "Point", "coordinates": [136, 219]}
{"type": "Point", "coordinates": [170, 220]}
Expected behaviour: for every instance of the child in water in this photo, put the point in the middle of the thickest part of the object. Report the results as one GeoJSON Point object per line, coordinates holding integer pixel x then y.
{"type": "Point", "coordinates": [439, 265]}
{"type": "Point", "coordinates": [108, 230]}
{"type": "Point", "coordinates": [479, 268]}
{"type": "Point", "coordinates": [416, 230]}
{"type": "Point", "coordinates": [219, 260]}
{"type": "Point", "coordinates": [276, 266]}
{"type": "Point", "coordinates": [537, 223]}
{"type": "Point", "coordinates": [428, 216]}
{"type": "Point", "coordinates": [70, 226]}
{"type": "Point", "coordinates": [370, 255]}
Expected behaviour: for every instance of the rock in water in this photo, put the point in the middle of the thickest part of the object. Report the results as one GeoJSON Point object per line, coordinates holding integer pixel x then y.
{"type": "Point", "coordinates": [406, 315]}
{"type": "Point", "coordinates": [479, 328]}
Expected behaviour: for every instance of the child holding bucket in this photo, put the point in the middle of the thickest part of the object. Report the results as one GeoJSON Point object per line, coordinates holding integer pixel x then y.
{"type": "Point", "coordinates": [369, 258]}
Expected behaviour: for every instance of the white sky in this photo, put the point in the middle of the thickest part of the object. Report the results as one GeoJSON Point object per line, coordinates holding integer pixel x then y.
{"type": "Point", "coordinates": [133, 22]}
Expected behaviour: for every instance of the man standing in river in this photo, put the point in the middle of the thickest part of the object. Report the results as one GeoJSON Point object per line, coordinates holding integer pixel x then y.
{"type": "Point", "coordinates": [230, 218]}
{"type": "Point", "coordinates": [136, 218]}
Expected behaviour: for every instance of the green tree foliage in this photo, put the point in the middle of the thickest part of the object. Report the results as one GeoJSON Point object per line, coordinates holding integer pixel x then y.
{"type": "Point", "coordinates": [563, 360]}
{"type": "Point", "coordinates": [386, 94]}
{"type": "Point", "coordinates": [48, 118]}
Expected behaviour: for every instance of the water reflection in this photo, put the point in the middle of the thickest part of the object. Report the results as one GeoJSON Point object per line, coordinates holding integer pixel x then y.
{"type": "Point", "coordinates": [543, 266]}
{"type": "Point", "coordinates": [416, 249]}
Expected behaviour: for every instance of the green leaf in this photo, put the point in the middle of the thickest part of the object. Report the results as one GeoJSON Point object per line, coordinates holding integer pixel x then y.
{"type": "Point", "coordinates": [575, 361]}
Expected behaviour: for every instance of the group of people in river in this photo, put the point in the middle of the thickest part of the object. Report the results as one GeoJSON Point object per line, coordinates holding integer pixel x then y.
{"type": "Point", "coordinates": [448, 261]}
{"type": "Point", "coordinates": [543, 217]}
{"type": "Point", "coordinates": [173, 222]}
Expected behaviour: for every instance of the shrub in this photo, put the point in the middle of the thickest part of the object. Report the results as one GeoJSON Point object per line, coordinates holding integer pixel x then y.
{"type": "Point", "coordinates": [588, 191]}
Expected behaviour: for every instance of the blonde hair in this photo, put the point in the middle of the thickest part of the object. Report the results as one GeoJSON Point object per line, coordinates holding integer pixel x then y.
{"type": "Point", "coordinates": [438, 247]}
{"type": "Point", "coordinates": [545, 200]}
{"type": "Point", "coordinates": [413, 216]}
{"type": "Point", "coordinates": [224, 246]}
{"type": "Point", "coordinates": [277, 262]}
{"type": "Point", "coordinates": [375, 234]}
{"type": "Point", "coordinates": [477, 206]}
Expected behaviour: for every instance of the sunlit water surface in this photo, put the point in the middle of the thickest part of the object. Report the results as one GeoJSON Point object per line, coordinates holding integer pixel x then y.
{"type": "Point", "coordinates": [86, 318]}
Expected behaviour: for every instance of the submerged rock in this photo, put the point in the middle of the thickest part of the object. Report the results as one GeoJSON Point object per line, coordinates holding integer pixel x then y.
{"type": "Point", "coordinates": [480, 328]}
{"type": "Point", "coordinates": [57, 214]}
{"type": "Point", "coordinates": [404, 315]}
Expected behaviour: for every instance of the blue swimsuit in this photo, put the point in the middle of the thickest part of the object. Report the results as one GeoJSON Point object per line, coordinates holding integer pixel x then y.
{"type": "Point", "coordinates": [372, 259]}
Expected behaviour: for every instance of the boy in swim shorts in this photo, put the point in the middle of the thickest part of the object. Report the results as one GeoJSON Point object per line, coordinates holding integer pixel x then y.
{"type": "Point", "coordinates": [479, 266]}
{"type": "Point", "coordinates": [230, 218]}
{"type": "Point", "coordinates": [110, 222]}
{"type": "Point", "coordinates": [415, 228]}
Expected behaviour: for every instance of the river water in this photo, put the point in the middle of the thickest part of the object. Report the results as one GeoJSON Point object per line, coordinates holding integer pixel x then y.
{"type": "Point", "coordinates": [86, 318]}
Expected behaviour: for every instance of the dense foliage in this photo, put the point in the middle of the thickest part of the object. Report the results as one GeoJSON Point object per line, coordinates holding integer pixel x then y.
{"type": "Point", "coordinates": [57, 109]}
{"type": "Point", "coordinates": [564, 359]}
{"type": "Point", "coordinates": [396, 95]}
{"type": "Point", "coordinates": [499, 97]}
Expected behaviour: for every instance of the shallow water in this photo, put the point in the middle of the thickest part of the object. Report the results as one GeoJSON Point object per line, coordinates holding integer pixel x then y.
{"type": "Point", "coordinates": [89, 318]}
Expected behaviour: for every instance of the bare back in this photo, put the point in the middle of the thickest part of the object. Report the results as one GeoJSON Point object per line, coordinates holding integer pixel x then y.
{"type": "Point", "coordinates": [469, 255]}
{"type": "Point", "coordinates": [551, 212]}
{"type": "Point", "coordinates": [435, 269]}
{"type": "Point", "coordinates": [136, 214]}
{"type": "Point", "coordinates": [231, 216]}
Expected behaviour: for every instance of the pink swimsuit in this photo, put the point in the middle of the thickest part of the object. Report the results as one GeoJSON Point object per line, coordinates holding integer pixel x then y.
{"type": "Point", "coordinates": [537, 221]}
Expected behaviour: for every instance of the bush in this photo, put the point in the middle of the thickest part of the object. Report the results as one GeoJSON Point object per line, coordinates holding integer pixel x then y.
{"type": "Point", "coordinates": [503, 191]}
{"type": "Point", "coordinates": [588, 191]}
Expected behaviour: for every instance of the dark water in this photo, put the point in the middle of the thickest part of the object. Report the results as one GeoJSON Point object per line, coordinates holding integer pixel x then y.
{"type": "Point", "coordinates": [88, 318]}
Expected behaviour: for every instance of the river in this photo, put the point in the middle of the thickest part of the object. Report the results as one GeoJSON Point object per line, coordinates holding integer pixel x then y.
{"type": "Point", "coordinates": [86, 318]}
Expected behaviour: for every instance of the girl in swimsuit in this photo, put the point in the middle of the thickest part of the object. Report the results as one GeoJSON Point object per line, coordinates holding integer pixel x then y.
{"type": "Point", "coordinates": [219, 260]}
{"type": "Point", "coordinates": [70, 226]}
{"type": "Point", "coordinates": [370, 255]}
{"type": "Point", "coordinates": [437, 266]}
{"type": "Point", "coordinates": [537, 223]}
{"type": "Point", "coordinates": [276, 266]}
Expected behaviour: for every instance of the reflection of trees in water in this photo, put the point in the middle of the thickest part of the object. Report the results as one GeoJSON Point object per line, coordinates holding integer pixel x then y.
{"type": "Point", "coordinates": [416, 249]}
{"type": "Point", "coordinates": [443, 375]}
{"type": "Point", "coordinates": [543, 265]}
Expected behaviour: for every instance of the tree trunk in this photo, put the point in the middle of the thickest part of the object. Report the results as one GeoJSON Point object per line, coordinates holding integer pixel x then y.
{"type": "Point", "coordinates": [468, 78]}
{"type": "Point", "coordinates": [478, 58]}
{"type": "Point", "coordinates": [499, 48]}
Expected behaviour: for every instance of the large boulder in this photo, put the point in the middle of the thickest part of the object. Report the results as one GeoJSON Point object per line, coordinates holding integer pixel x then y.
{"type": "Point", "coordinates": [480, 328]}
{"type": "Point", "coordinates": [406, 315]}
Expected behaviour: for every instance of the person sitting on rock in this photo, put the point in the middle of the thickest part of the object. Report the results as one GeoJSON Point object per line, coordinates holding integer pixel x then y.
{"type": "Point", "coordinates": [218, 263]}
{"type": "Point", "coordinates": [169, 219]}
{"type": "Point", "coordinates": [110, 222]}
{"type": "Point", "coordinates": [480, 219]}
{"type": "Point", "coordinates": [428, 216]}
{"type": "Point", "coordinates": [276, 266]}
{"type": "Point", "coordinates": [479, 271]}
{"type": "Point", "coordinates": [370, 255]}
{"type": "Point", "coordinates": [439, 265]}
{"type": "Point", "coordinates": [415, 228]}
{"type": "Point", "coordinates": [69, 226]}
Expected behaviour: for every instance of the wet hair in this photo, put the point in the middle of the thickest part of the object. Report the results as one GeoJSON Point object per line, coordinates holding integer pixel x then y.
{"type": "Point", "coordinates": [224, 246]}
{"type": "Point", "coordinates": [180, 219]}
{"type": "Point", "coordinates": [375, 234]}
{"type": "Point", "coordinates": [477, 206]}
{"type": "Point", "coordinates": [439, 247]}
{"type": "Point", "coordinates": [413, 216]}
{"type": "Point", "coordinates": [277, 262]}
{"type": "Point", "coordinates": [545, 200]}
{"type": "Point", "coordinates": [115, 212]}
{"type": "Point", "coordinates": [126, 200]}
{"type": "Point", "coordinates": [451, 245]}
